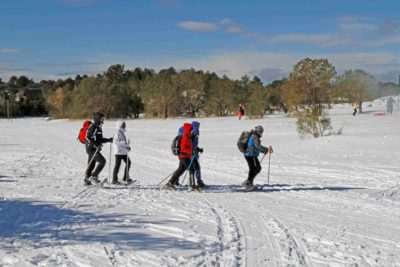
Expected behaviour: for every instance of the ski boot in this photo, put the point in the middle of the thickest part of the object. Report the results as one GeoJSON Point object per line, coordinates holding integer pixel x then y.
{"type": "Point", "coordinates": [170, 186]}
{"type": "Point", "coordinates": [246, 183]}
{"type": "Point", "coordinates": [127, 181]}
{"type": "Point", "coordinates": [116, 182]}
{"type": "Point", "coordinates": [201, 185]}
{"type": "Point", "coordinates": [94, 180]}
{"type": "Point", "coordinates": [86, 181]}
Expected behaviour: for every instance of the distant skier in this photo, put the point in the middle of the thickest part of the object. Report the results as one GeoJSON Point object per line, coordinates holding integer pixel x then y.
{"type": "Point", "coordinates": [241, 111]}
{"type": "Point", "coordinates": [355, 107]}
{"type": "Point", "coordinates": [196, 151]}
{"type": "Point", "coordinates": [94, 143]}
{"type": "Point", "coordinates": [185, 156]}
{"type": "Point", "coordinates": [390, 103]}
{"type": "Point", "coordinates": [121, 150]}
{"type": "Point", "coordinates": [254, 148]}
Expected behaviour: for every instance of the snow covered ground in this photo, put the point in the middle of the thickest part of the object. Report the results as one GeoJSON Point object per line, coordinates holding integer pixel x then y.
{"type": "Point", "coordinates": [332, 201]}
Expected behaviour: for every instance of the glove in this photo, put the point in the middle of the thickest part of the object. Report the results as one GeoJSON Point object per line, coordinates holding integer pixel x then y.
{"type": "Point", "coordinates": [128, 148]}
{"type": "Point", "coordinates": [110, 140]}
{"type": "Point", "coordinates": [198, 150]}
{"type": "Point", "coordinates": [270, 150]}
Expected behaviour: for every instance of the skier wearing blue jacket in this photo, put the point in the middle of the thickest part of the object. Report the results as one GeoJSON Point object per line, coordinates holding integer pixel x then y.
{"type": "Point", "coordinates": [196, 151]}
{"type": "Point", "coordinates": [254, 148]}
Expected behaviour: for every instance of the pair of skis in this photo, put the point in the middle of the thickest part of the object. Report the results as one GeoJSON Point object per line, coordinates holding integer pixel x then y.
{"type": "Point", "coordinates": [104, 181]}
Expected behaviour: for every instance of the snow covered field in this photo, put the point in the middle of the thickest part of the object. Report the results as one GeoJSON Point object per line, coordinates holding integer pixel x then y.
{"type": "Point", "coordinates": [332, 201]}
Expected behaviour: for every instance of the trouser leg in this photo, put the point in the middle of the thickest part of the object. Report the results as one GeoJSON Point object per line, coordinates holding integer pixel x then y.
{"type": "Point", "coordinates": [91, 161]}
{"type": "Point", "coordinates": [101, 162]}
{"type": "Point", "coordinates": [183, 166]}
{"type": "Point", "coordinates": [127, 161]}
{"type": "Point", "coordinates": [254, 168]}
{"type": "Point", "coordinates": [116, 167]}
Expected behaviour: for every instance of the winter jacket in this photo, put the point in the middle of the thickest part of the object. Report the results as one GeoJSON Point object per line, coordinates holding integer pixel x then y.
{"type": "Point", "coordinates": [94, 135]}
{"type": "Point", "coordinates": [186, 142]}
{"type": "Point", "coordinates": [196, 134]}
{"type": "Point", "coordinates": [254, 147]}
{"type": "Point", "coordinates": [121, 143]}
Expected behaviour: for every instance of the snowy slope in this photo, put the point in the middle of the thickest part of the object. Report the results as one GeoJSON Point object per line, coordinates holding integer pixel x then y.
{"type": "Point", "coordinates": [332, 201]}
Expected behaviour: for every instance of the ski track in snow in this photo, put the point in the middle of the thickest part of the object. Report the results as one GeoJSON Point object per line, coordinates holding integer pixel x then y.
{"type": "Point", "coordinates": [332, 201]}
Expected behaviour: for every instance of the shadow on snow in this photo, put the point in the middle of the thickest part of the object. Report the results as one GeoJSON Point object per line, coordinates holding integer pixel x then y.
{"type": "Point", "coordinates": [277, 188]}
{"type": "Point", "coordinates": [41, 224]}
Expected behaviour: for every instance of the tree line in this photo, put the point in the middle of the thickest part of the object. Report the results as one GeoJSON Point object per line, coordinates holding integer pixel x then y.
{"type": "Point", "coordinates": [312, 86]}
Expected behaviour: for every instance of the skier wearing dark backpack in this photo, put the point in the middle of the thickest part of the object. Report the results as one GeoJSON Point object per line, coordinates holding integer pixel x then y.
{"type": "Point", "coordinates": [185, 156]}
{"type": "Point", "coordinates": [254, 148]}
{"type": "Point", "coordinates": [94, 142]}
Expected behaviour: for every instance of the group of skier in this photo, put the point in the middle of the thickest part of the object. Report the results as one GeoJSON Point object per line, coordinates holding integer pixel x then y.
{"type": "Point", "coordinates": [94, 143]}
{"type": "Point", "coordinates": [186, 146]}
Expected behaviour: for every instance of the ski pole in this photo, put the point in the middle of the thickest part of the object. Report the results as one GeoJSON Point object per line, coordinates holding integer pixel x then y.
{"type": "Point", "coordinates": [188, 168]}
{"type": "Point", "coordinates": [127, 169]}
{"type": "Point", "coordinates": [109, 166]}
{"type": "Point", "coordinates": [269, 164]}
{"type": "Point", "coordinates": [165, 178]}
{"type": "Point", "coordinates": [91, 160]}
{"type": "Point", "coordinates": [263, 157]}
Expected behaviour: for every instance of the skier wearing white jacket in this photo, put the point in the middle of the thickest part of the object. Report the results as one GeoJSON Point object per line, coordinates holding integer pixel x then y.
{"type": "Point", "coordinates": [121, 148]}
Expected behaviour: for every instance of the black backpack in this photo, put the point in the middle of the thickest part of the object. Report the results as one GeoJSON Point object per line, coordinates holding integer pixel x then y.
{"type": "Point", "coordinates": [176, 145]}
{"type": "Point", "coordinates": [243, 140]}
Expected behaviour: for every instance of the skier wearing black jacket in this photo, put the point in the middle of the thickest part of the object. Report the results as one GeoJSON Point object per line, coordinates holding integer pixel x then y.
{"type": "Point", "coordinates": [95, 140]}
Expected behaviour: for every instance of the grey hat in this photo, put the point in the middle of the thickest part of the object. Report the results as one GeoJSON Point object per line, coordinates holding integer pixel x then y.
{"type": "Point", "coordinates": [259, 129]}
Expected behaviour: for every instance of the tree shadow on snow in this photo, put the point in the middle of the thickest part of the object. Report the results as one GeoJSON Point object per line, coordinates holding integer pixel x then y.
{"type": "Point", "coordinates": [277, 188]}
{"type": "Point", "coordinates": [312, 188]}
{"type": "Point", "coordinates": [41, 225]}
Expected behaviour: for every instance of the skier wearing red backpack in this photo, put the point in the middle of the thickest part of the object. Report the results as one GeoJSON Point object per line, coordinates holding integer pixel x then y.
{"type": "Point", "coordinates": [94, 142]}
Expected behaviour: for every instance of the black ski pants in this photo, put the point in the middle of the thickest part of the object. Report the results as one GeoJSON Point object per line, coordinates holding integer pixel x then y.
{"type": "Point", "coordinates": [118, 160]}
{"type": "Point", "coordinates": [254, 167]}
{"type": "Point", "coordinates": [183, 166]}
{"type": "Point", "coordinates": [97, 157]}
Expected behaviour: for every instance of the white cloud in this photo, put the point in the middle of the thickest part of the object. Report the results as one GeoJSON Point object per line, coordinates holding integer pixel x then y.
{"type": "Point", "coordinates": [197, 26]}
{"type": "Point", "coordinates": [234, 29]}
{"type": "Point", "coordinates": [357, 24]}
{"type": "Point", "coordinates": [227, 21]}
{"type": "Point", "coordinates": [9, 50]}
{"type": "Point", "coordinates": [319, 39]}
{"type": "Point", "coordinates": [360, 31]}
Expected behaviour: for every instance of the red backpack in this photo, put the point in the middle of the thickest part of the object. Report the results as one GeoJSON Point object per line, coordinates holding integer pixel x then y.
{"type": "Point", "coordinates": [83, 131]}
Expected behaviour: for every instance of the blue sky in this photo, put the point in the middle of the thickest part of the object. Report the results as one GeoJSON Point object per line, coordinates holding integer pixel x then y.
{"type": "Point", "coordinates": [52, 39]}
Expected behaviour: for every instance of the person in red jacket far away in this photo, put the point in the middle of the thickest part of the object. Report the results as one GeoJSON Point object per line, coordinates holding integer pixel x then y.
{"type": "Point", "coordinates": [241, 111]}
{"type": "Point", "coordinates": [185, 156]}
